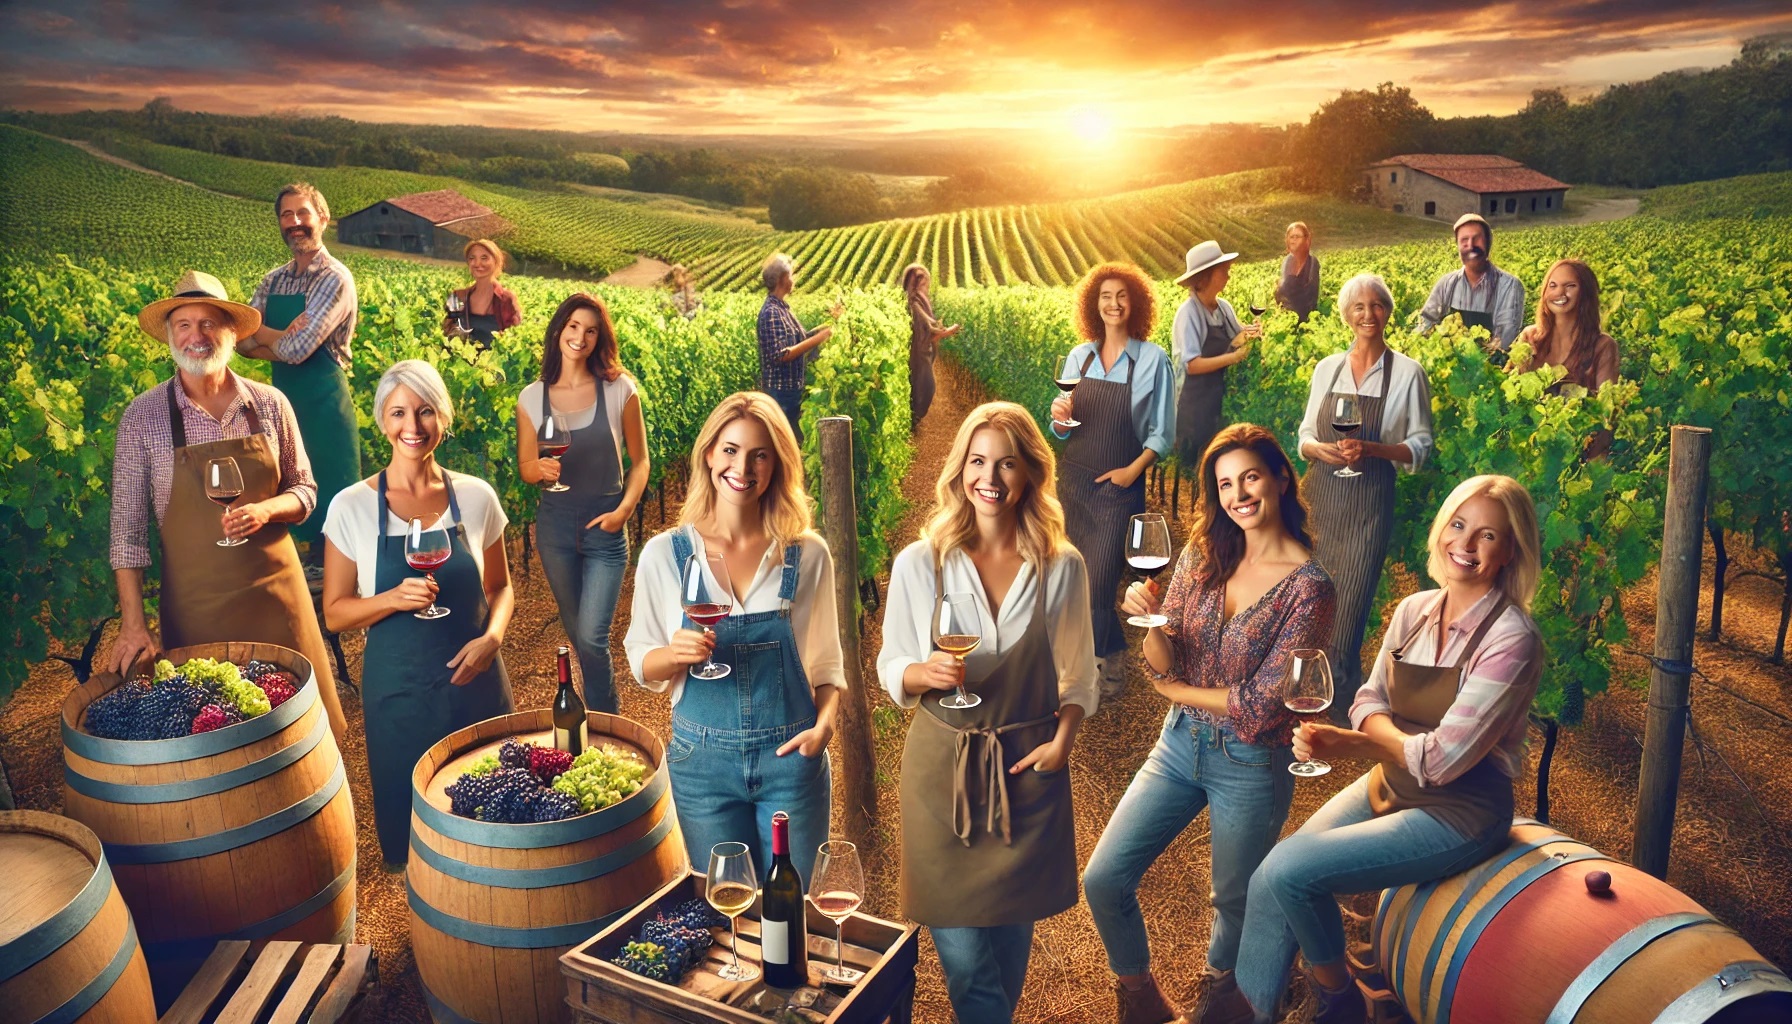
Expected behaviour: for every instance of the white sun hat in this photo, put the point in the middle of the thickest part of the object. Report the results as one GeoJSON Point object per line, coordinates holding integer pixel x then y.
{"type": "Point", "coordinates": [1205, 255]}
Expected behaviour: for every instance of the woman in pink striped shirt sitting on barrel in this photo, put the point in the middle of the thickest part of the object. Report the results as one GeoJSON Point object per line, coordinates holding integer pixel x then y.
{"type": "Point", "coordinates": [1443, 719]}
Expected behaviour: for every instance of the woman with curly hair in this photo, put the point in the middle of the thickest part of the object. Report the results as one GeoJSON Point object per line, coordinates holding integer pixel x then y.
{"type": "Point", "coordinates": [979, 880]}
{"type": "Point", "coordinates": [1115, 423]}
{"type": "Point", "coordinates": [1247, 593]}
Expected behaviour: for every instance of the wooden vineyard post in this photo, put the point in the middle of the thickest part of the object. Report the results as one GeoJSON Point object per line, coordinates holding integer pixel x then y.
{"type": "Point", "coordinates": [1670, 674]}
{"type": "Point", "coordinates": [840, 524]}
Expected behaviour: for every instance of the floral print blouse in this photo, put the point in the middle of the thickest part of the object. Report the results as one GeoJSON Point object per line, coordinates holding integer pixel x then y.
{"type": "Point", "coordinates": [1247, 652]}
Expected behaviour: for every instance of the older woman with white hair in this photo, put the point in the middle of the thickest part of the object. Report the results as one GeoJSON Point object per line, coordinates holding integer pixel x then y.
{"type": "Point", "coordinates": [414, 693]}
{"type": "Point", "coordinates": [1369, 411]}
{"type": "Point", "coordinates": [784, 345]}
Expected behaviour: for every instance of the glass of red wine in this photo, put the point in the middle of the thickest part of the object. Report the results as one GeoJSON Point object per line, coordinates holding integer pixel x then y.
{"type": "Point", "coordinates": [958, 632]}
{"type": "Point", "coordinates": [426, 550]}
{"type": "Point", "coordinates": [224, 484]}
{"type": "Point", "coordinates": [704, 606]}
{"type": "Point", "coordinates": [1347, 416]}
{"type": "Point", "coordinates": [1307, 691]}
{"type": "Point", "coordinates": [552, 440]}
{"type": "Point", "coordinates": [1067, 384]}
{"type": "Point", "coordinates": [1147, 553]}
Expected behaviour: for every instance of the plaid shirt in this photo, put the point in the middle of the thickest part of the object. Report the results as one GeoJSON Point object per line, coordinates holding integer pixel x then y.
{"type": "Point", "coordinates": [143, 462]}
{"type": "Point", "coordinates": [330, 303]}
{"type": "Point", "coordinates": [778, 330]}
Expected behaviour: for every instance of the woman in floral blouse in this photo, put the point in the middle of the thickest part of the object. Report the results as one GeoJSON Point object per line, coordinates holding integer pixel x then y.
{"type": "Point", "coordinates": [1246, 592]}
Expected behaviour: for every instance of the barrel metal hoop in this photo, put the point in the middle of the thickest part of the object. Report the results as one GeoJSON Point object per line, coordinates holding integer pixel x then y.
{"type": "Point", "coordinates": [1746, 979]}
{"type": "Point", "coordinates": [545, 833]}
{"type": "Point", "coordinates": [545, 937]}
{"type": "Point", "coordinates": [168, 792]}
{"type": "Point", "coordinates": [439, 1011]}
{"type": "Point", "coordinates": [51, 935]}
{"type": "Point", "coordinates": [229, 839]}
{"type": "Point", "coordinates": [1614, 956]}
{"type": "Point", "coordinates": [198, 948]}
{"type": "Point", "coordinates": [541, 878]}
{"type": "Point", "coordinates": [188, 748]}
{"type": "Point", "coordinates": [96, 990]}
{"type": "Point", "coordinates": [1414, 908]}
{"type": "Point", "coordinates": [1488, 912]}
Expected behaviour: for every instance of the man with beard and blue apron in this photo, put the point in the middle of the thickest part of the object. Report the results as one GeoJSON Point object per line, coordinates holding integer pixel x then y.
{"type": "Point", "coordinates": [1480, 293]}
{"type": "Point", "coordinates": [309, 310]}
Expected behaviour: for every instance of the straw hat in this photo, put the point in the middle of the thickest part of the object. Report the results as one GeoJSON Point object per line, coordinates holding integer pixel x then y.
{"type": "Point", "coordinates": [197, 286]}
{"type": "Point", "coordinates": [1205, 255]}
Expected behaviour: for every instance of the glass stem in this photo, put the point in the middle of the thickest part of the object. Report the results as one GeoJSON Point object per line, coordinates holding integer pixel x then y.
{"type": "Point", "coordinates": [734, 940]}
{"type": "Point", "coordinates": [840, 943]}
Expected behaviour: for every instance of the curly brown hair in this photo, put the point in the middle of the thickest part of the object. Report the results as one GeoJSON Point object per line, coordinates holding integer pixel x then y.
{"type": "Point", "coordinates": [1138, 289]}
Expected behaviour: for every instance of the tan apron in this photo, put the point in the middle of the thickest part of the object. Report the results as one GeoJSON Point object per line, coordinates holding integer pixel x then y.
{"type": "Point", "coordinates": [254, 592]}
{"type": "Point", "coordinates": [1420, 695]}
{"type": "Point", "coordinates": [980, 847]}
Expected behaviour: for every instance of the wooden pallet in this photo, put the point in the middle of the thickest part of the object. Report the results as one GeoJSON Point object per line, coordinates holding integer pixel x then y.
{"type": "Point", "coordinates": [285, 983]}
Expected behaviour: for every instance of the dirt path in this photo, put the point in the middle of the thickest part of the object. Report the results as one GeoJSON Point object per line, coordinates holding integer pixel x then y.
{"type": "Point", "coordinates": [645, 272]}
{"type": "Point", "coordinates": [1597, 210]}
{"type": "Point", "coordinates": [95, 150]}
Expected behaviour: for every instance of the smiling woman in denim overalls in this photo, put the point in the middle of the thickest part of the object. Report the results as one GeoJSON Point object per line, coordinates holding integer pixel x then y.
{"type": "Point", "coordinates": [755, 740]}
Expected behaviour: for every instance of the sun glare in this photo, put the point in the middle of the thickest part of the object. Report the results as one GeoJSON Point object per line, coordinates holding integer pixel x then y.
{"type": "Point", "coordinates": [1093, 127]}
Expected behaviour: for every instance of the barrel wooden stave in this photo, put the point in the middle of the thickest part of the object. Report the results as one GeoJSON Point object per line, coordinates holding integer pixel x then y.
{"type": "Point", "coordinates": [64, 973]}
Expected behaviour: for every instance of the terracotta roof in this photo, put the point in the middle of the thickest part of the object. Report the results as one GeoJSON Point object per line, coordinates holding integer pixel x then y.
{"type": "Point", "coordinates": [443, 206]}
{"type": "Point", "coordinates": [1477, 172]}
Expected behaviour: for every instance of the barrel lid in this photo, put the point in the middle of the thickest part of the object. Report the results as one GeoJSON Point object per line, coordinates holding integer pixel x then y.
{"type": "Point", "coordinates": [45, 868]}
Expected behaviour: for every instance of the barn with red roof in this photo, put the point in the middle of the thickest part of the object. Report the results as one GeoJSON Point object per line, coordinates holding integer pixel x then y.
{"type": "Point", "coordinates": [438, 223]}
{"type": "Point", "coordinates": [1447, 185]}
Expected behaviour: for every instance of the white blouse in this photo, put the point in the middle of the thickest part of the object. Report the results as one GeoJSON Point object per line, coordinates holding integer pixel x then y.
{"type": "Point", "coordinates": [1405, 416]}
{"type": "Point", "coordinates": [908, 610]}
{"type": "Point", "coordinates": [616, 395]}
{"type": "Point", "coordinates": [656, 613]}
{"type": "Point", "coordinates": [352, 524]}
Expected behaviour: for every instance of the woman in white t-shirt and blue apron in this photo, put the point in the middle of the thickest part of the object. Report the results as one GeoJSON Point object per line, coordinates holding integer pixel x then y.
{"type": "Point", "coordinates": [581, 530]}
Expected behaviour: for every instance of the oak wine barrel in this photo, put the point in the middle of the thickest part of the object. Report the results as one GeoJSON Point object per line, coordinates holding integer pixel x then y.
{"type": "Point", "coordinates": [493, 906]}
{"type": "Point", "coordinates": [245, 832]}
{"type": "Point", "coordinates": [1522, 939]}
{"type": "Point", "coordinates": [68, 949]}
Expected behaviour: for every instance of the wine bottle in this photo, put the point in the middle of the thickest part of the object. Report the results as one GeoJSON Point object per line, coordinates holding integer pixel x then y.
{"type": "Point", "coordinates": [784, 935]}
{"type": "Point", "coordinates": [569, 710]}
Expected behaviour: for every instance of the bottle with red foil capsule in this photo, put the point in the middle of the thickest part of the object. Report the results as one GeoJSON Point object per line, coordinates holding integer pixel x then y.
{"type": "Point", "coordinates": [784, 935]}
{"type": "Point", "coordinates": [569, 710]}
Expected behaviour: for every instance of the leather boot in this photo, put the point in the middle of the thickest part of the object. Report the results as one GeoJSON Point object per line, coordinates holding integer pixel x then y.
{"type": "Point", "coordinates": [1144, 1005]}
{"type": "Point", "coordinates": [1222, 1002]}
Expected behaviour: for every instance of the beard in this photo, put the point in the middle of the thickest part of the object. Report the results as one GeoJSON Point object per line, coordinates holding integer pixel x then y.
{"type": "Point", "coordinates": [299, 242]}
{"type": "Point", "coordinates": [212, 364]}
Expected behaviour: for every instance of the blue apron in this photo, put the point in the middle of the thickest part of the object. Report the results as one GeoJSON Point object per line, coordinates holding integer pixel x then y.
{"type": "Point", "coordinates": [407, 701]}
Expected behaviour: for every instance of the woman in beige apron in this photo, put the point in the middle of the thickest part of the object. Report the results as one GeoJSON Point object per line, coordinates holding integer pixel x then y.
{"type": "Point", "coordinates": [988, 839]}
{"type": "Point", "coordinates": [1443, 717]}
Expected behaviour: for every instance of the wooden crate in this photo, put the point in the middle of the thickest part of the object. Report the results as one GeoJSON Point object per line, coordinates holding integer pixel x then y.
{"type": "Point", "coordinates": [599, 992]}
{"type": "Point", "coordinates": [284, 983]}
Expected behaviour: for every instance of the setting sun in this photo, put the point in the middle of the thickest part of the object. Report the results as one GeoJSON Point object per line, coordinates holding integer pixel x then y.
{"type": "Point", "coordinates": [1093, 127]}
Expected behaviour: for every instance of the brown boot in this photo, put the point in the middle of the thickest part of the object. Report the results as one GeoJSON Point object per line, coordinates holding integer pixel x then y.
{"type": "Point", "coordinates": [1144, 1005]}
{"type": "Point", "coordinates": [1222, 1002]}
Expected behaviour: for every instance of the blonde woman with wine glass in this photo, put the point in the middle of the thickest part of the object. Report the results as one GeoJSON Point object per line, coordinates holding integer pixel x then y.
{"type": "Point", "coordinates": [753, 740]}
{"type": "Point", "coordinates": [988, 843]}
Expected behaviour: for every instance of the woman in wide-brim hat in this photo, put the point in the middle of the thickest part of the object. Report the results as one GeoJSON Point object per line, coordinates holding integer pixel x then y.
{"type": "Point", "coordinates": [1207, 337]}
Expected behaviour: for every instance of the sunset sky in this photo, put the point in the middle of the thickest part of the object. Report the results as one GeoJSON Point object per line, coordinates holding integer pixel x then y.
{"type": "Point", "coordinates": [811, 67]}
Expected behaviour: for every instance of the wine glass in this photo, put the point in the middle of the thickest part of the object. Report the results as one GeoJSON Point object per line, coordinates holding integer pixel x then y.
{"type": "Point", "coordinates": [224, 484]}
{"type": "Point", "coordinates": [456, 306]}
{"type": "Point", "coordinates": [1347, 416]}
{"type": "Point", "coordinates": [552, 439]}
{"type": "Point", "coordinates": [960, 631]}
{"type": "Point", "coordinates": [732, 886]}
{"type": "Point", "coordinates": [1307, 691]}
{"type": "Point", "coordinates": [1147, 552]}
{"type": "Point", "coordinates": [426, 551]}
{"type": "Point", "coordinates": [838, 888]}
{"type": "Point", "coordinates": [704, 608]}
{"type": "Point", "coordinates": [1067, 384]}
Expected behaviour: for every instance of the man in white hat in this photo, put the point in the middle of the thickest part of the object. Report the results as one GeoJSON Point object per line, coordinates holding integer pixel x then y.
{"type": "Point", "coordinates": [1481, 293]}
{"type": "Point", "coordinates": [233, 576]}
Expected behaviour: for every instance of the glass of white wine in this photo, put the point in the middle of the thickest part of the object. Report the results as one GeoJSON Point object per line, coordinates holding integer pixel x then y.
{"type": "Point", "coordinates": [732, 887]}
{"type": "Point", "coordinates": [958, 632]}
{"type": "Point", "coordinates": [838, 888]}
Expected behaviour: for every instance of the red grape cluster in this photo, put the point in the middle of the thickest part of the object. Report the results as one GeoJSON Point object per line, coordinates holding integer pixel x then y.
{"type": "Point", "coordinates": [209, 718]}
{"type": "Point", "coordinates": [548, 763]}
{"type": "Point", "coordinates": [274, 681]}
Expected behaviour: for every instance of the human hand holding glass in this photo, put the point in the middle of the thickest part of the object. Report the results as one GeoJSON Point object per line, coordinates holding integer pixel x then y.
{"type": "Point", "coordinates": [1307, 691]}
{"type": "Point", "coordinates": [837, 890]}
{"type": "Point", "coordinates": [426, 550]}
{"type": "Point", "coordinates": [1147, 553]}
{"type": "Point", "coordinates": [552, 439]}
{"type": "Point", "coordinates": [731, 890]}
{"type": "Point", "coordinates": [958, 632]}
{"type": "Point", "coordinates": [704, 607]}
{"type": "Point", "coordinates": [1347, 418]}
{"type": "Point", "coordinates": [224, 484]}
{"type": "Point", "coordinates": [1061, 406]}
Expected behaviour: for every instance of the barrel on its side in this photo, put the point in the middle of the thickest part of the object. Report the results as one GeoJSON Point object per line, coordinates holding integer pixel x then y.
{"type": "Point", "coordinates": [68, 949]}
{"type": "Point", "coordinates": [493, 906]}
{"type": "Point", "coordinates": [1519, 939]}
{"type": "Point", "coordinates": [246, 832]}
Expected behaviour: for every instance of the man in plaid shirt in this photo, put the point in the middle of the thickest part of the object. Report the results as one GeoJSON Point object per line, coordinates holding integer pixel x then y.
{"type": "Point", "coordinates": [784, 346]}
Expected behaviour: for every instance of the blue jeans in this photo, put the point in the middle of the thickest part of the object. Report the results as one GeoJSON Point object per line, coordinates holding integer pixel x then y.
{"type": "Point", "coordinates": [1343, 848]}
{"type": "Point", "coordinates": [726, 786]}
{"type": "Point", "coordinates": [985, 969]}
{"type": "Point", "coordinates": [585, 573]}
{"type": "Point", "coordinates": [1193, 766]}
{"type": "Point", "coordinates": [792, 403]}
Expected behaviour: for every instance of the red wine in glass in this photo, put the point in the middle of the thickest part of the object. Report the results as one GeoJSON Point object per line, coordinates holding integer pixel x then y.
{"type": "Point", "coordinates": [700, 603]}
{"type": "Point", "coordinates": [1067, 385]}
{"type": "Point", "coordinates": [427, 561]}
{"type": "Point", "coordinates": [1308, 707]}
{"type": "Point", "coordinates": [426, 551]}
{"type": "Point", "coordinates": [553, 451]}
{"type": "Point", "coordinates": [707, 614]}
{"type": "Point", "coordinates": [224, 498]}
{"type": "Point", "coordinates": [1307, 691]}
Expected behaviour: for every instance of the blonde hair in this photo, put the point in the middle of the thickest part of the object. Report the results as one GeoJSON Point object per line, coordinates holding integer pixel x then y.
{"type": "Point", "coordinates": [490, 246]}
{"type": "Point", "coordinates": [953, 522]}
{"type": "Point", "coordinates": [1520, 576]}
{"type": "Point", "coordinates": [1297, 225]}
{"type": "Point", "coordinates": [786, 507]}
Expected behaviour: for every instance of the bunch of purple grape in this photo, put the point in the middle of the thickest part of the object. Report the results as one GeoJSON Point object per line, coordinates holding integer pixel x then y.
{"type": "Point", "coordinates": [140, 711]}
{"type": "Point", "coordinates": [680, 935]}
{"type": "Point", "coordinates": [509, 795]}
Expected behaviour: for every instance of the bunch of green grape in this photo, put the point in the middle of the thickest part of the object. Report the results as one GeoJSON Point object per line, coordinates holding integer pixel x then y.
{"type": "Point", "coordinates": [484, 766]}
{"type": "Point", "coordinates": [601, 776]}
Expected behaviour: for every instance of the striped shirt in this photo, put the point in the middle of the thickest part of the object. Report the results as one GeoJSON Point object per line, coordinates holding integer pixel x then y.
{"type": "Point", "coordinates": [1488, 718]}
{"type": "Point", "coordinates": [778, 330]}
{"type": "Point", "coordinates": [143, 460]}
{"type": "Point", "coordinates": [330, 304]}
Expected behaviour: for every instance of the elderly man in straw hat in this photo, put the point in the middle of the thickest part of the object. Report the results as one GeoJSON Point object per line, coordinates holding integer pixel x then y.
{"type": "Point", "coordinates": [233, 576]}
